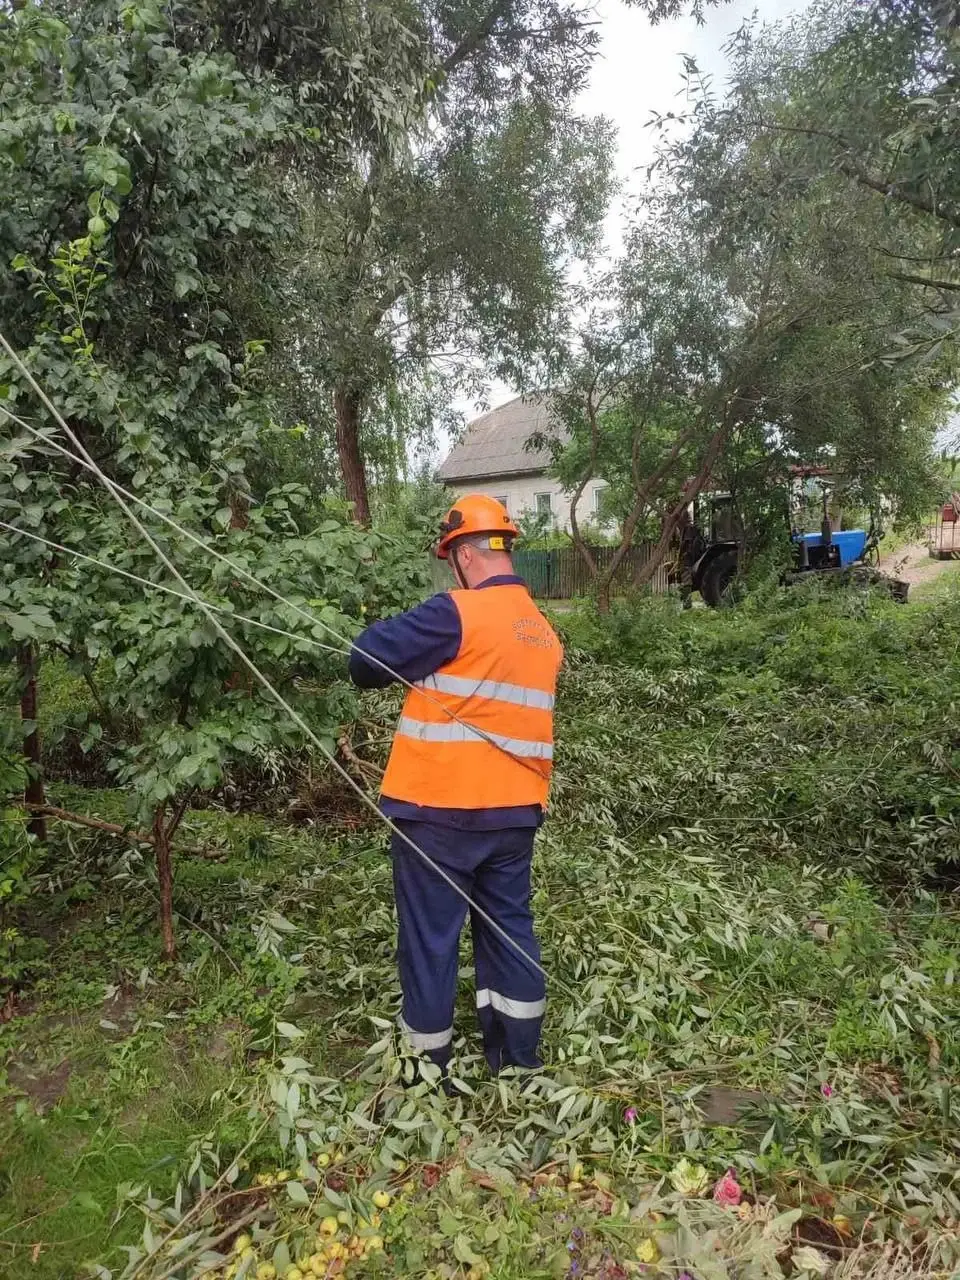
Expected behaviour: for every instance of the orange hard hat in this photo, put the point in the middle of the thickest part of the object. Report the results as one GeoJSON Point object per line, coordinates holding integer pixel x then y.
{"type": "Point", "coordinates": [475, 514]}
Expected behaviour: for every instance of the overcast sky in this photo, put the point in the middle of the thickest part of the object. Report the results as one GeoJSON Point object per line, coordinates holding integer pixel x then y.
{"type": "Point", "coordinates": [639, 68]}
{"type": "Point", "coordinates": [638, 72]}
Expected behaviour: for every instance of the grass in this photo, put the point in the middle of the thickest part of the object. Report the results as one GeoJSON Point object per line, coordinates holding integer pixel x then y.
{"type": "Point", "coordinates": [61, 1171]}
{"type": "Point", "coordinates": [739, 896]}
{"type": "Point", "coordinates": [112, 1068]}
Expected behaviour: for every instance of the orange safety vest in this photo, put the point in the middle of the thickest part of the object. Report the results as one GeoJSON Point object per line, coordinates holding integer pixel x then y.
{"type": "Point", "coordinates": [501, 687]}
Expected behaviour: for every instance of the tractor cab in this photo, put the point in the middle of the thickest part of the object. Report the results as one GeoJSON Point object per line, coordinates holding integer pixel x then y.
{"type": "Point", "coordinates": [720, 516]}
{"type": "Point", "coordinates": [718, 548]}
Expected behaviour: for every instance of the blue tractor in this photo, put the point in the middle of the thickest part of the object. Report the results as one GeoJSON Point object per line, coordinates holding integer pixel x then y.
{"type": "Point", "coordinates": [843, 554]}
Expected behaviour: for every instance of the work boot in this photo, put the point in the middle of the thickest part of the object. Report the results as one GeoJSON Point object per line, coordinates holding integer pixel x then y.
{"type": "Point", "coordinates": [419, 1077]}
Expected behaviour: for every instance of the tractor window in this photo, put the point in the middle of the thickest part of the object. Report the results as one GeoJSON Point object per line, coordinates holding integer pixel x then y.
{"type": "Point", "coordinates": [722, 520]}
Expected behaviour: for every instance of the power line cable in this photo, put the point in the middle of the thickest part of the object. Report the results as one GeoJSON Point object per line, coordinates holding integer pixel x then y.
{"type": "Point", "coordinates": [161, 586]}
{"type": "Point", "coordinates": [88, 464]}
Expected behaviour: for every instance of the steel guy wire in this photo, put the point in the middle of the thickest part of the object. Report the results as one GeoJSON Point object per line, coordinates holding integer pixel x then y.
{"type": "Point", "coordinates": [194, 599]}
{"type": "Point", "coordinates": [257, 673]}
{"type": "Point", "coordinates": [161, 586]}
{"type": "Point", "coordinates": [249, 577]}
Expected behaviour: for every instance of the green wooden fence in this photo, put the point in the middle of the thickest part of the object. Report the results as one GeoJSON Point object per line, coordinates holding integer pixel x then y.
{"type": "Point", "coordinates": [560, 574]}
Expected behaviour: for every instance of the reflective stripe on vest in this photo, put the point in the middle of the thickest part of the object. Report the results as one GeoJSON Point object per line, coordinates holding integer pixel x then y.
{"type": "Point", "coordinates": [499, 690]}
{"type": "Point", "coordinates": [511, 1008]}
{"type": "Point", "coordinates": [457, 732]}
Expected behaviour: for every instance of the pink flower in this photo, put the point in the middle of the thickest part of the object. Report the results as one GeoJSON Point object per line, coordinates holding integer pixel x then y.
{"type": "Point", "coordinates": [630, 1115]}
{"type": "Point", "coordinates": [727, 1191]}
{"type": "Point", "coordinates": [826, 1090]}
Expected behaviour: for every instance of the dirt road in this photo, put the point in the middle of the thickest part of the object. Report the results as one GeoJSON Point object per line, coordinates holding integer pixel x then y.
{"type": "Point", "coordinates": [914, 564]}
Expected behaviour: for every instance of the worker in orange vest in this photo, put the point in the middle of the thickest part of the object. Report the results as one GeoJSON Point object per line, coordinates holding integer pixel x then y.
{"type": "Point", "coordinates": [467, 782]}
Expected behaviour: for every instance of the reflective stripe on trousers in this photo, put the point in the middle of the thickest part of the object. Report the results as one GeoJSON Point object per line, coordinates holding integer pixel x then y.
{"type": "Point", "coordinates": [499, 690]}
{"type": "Point", "coordinates": [425, 731]}
{"type": "Point", "coordinates": [510, 1008]}
{"type": "Point", "coordinates": [424, 1041]}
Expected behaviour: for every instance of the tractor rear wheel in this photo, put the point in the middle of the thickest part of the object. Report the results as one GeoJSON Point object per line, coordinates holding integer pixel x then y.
{"type": "Point", "coordinates": [717, 579]}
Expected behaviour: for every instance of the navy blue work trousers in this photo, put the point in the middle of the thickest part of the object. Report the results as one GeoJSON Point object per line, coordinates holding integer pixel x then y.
{"type": "Point", "coordinates": [493, 867]}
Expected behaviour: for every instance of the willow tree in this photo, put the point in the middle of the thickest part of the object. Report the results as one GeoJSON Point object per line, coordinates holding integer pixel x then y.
{"type": "Point", "coordinates": [454, 249]}
{"type": "Point", "coordinates": [870, 94]}
{"type": "Point", "coordinates": [754, 312]}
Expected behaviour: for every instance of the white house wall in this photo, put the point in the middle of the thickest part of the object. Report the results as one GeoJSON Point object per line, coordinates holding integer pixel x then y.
{"type": "Point", "coordinates": [520, 494]}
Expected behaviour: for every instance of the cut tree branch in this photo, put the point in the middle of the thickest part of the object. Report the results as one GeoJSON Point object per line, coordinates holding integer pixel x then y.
{"type": "Point", "coordinates": [908, 278]}
{"type": "Point", "coordinates": [361, 768]}
{"type": "Point", "coordinates": [98, 824]}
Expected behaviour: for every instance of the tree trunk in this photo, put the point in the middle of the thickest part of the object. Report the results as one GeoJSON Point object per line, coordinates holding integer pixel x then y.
{"type": "Point", "coordinates": [694, 487]}
{"type": "Point", "coordinates": [642, 492]}
{"type": "Point", "coordinates": [161, 845]}
{"type": "Point", "coordinates": [33, 793]}
{"type": "Point", "coordinates": [239, 510]}
{"type": "Point", "coordinates": [586, 555]}
{"type": "Point", "coordinates": [346, 406]}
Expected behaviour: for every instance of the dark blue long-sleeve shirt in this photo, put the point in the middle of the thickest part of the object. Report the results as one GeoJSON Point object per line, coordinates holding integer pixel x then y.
{"type": "Point", "coordinates": [415, 644]}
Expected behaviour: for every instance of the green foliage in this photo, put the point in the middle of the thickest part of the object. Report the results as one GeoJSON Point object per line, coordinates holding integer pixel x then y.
{"type": "Point", "coordinates": [748, 324]}
{"type": "Point", "coordinates": [141, 194]}
{"type": "Point", "coordinates": [754, 818]}
{"type": "Point", "coordinates": [736, 890]}
{"type": "Point", "coordinates": [413, 511]}
{"type": "Point", "coordinates": [536, 528]}
{"type": "Point", "coordinates": [793, 684]}
{"type": "Point", "coordinates": [882, 139]}
{"type": "Point", "coordinates": [160, 664]}
{"type": "Point", "coordinates": [132, 190]}
{"type": "Point", "coordinates": [151, 167]}
{"type": "Point", "coordinates": [440, 267]}
{"type": "Point", "coordinates": [15, 862]}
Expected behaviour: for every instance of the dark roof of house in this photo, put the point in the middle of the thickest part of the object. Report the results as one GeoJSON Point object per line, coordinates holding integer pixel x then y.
{"type": "Point", "coordinates": [494, 444]}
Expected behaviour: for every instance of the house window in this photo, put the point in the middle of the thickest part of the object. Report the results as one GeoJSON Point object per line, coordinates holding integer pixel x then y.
{"type": "Point", "coordinates": [544, 504]}
{"type": "Point", "coordinates": [598, 498]}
